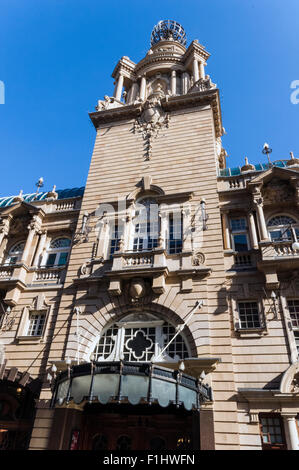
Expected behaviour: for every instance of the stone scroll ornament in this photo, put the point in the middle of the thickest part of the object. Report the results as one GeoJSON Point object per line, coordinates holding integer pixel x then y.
{"type": "Point", "coordinates": [150, 122]}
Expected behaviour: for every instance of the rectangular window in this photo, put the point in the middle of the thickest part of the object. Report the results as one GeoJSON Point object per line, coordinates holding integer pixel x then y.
{"type": "Point", "coordinates": [175, 237]}
{"type": "Point", "coordinates": [293, 306]}
{"type": "Point", "coordinates": [36, 324]}
{"type": "Point", "coordinates": [115, 236]}
{"type": "Point", "coordinates": [146, 236]}
{"type": "Point", "coordinates": [249, 316]}
{"type": "Point", "coordinates": [62, 259]}
{"type": "Point", "coordinates": [239, 234]}
{"type": "Point", "coordinates": [272, 434]}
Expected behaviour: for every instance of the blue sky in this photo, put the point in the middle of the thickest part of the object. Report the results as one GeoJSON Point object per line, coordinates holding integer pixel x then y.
{"type": "Point", "coordinates": [57, 56]}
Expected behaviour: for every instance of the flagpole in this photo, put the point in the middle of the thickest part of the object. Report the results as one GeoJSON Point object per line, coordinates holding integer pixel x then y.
{"type": "Point", "coordinates": [180, 328]}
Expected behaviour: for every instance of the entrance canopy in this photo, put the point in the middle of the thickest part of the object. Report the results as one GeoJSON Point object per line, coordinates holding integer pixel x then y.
{"type": "Point", "coordinates": [129, 382]}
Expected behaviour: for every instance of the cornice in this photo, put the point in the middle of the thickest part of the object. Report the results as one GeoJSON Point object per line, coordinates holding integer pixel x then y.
{"type": "Point", "coordinates": [172, 103]}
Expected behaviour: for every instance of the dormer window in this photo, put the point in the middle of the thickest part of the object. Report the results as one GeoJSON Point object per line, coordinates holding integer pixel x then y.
{"type": "Point", "coordinates": [58, 252]}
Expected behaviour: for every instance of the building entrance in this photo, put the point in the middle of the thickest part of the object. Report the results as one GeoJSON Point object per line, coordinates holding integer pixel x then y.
{"type": "Point", "coordinates": [127, 427]}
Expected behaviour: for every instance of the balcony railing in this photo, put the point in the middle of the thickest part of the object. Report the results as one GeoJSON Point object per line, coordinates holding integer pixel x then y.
{"type": "Point", "coordinates": [137, 259]}
{"type": "Point", "coordinates": [6, 272]}
{"type": "Point", "coordinates": [281, 249]}
{"type": "Point", "coordinates": [49, 275]}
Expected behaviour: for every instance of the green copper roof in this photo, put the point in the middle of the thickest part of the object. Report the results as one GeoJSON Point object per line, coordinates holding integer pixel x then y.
{"type": "Point", "coordinates": [62, 194]}
{"type": "Point", "coordinates": [258, 167]}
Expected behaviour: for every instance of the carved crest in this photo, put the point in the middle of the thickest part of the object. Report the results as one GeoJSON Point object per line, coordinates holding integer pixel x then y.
{"type": "Point", "coordinates": [277, 191]}
{"type": "Point", "coordinates": [152, 119]}
{"type": "Point", "coordinates": [198, 258]}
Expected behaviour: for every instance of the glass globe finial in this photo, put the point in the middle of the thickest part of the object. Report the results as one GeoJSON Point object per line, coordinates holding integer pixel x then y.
{"type": "Point", "coordinates": [168, 30]}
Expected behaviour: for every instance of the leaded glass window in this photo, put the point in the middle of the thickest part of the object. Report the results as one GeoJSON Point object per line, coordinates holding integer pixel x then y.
{"type": "Point", "coordinates": [141, 338]}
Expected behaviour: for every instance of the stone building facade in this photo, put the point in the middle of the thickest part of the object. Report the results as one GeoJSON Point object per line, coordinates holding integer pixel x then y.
{"type": "Point", "coordinates": [158, 307]}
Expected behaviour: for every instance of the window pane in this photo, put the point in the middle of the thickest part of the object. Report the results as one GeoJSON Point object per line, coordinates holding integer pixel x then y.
{"type": "Point", "coordinates": [240, 242]}
{"type": "Point", "coordinates": [249, 315]}
{"type": "Point", "coordinates": [62, 259]}
{"type": "Point", "coordinates": [51, 259]}
{"type": "Point", "coordinates": [237, 225]}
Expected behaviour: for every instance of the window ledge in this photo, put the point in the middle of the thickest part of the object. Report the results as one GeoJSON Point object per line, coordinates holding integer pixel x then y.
{"type": "Point", "coordinates": [29, 339]}
{"type": "Point", "coordinates": [251, 332]}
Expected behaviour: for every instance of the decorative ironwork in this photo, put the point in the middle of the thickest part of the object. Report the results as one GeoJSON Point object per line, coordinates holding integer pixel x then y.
{"type": "Point", "coordinates": [136, 383]}
{"type": "Point", "coordinates": [168, 30]}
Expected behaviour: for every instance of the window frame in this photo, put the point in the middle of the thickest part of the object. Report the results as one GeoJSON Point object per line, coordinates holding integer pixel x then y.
{"type": "Point", "coordinates": [260, 314]}
{"type": "Point", "coordinates": [57, 252]}
{"type": "Point", "coordinates": [295, 329]}
{"type": "Point", "coordinates": [17, 255]}
{"type": "Point", "coordinates": [240, 231]}
{"type": "Point", "coordinates": [270, 445]}
{"type": "Point", "coordinates": [118, 348]}
{"type": "Point", "coordinates": [282, 228]}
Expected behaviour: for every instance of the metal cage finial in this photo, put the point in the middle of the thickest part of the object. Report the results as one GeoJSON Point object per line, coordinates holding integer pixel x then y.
{"type": "Point", "coordinates": [168, 30]}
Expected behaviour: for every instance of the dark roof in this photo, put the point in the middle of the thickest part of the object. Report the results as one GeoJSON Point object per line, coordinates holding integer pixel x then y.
{"type": "Point", "coordinates": [62, 194]}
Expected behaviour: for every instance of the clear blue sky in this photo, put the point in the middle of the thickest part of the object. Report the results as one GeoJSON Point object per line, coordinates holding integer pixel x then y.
{"type": "Point", "coordinates": [57, 56]}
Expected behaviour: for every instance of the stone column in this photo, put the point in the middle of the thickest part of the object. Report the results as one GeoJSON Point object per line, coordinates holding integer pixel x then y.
{"type": "Point", "coordinates": [185, 82]}
{"type": "Point", "coordinates": [119, 87]}
{"type": "Point", "coordinates": [173, 82]}
{"type": "Point", "coordinates": [187, 243]}
{"type": "Point", "coordinates": [4, 230]}
{"type": "Point", "coordinates": [252, 229]}
{"type": "Point", "coordinates": [163, 228]}
{"type": "Point", "coordinates": [40, 247]}
{"type": "Point", "coordinates": [291, 431]}
{"type": "Point", "coordinates": [202, 73]}
{"type": "Point", "coordinates": [102, 238]}
{"type": "Point", "coordinates": [33, 228]}
{"type": "Point", "coordinates": [261, 221]}
{"type": "Point", "coordinates": [133, 93]}
{"type": "Point", "coordinates": [195, 70]}
{"type": "Point", "coordinates": [142, 88]}
{"type": "Point", "coordinates": [226, 232]}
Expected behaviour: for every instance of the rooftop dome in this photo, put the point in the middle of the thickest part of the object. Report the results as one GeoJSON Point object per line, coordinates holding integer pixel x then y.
{"type": "Point", "coordinates": [168, 30]}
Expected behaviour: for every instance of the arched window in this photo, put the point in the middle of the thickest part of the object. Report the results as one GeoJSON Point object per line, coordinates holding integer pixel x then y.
{"type": "Point", "coordinates": [58, 251]}
{"type": "Point", "coordinates": [141, 338]}
{"type": "Point", "coordinates": [15, 253]}
{"type": "Point", "coordinates": [279, 228]}
{"type": "Point", "coordinates": [146, 223]}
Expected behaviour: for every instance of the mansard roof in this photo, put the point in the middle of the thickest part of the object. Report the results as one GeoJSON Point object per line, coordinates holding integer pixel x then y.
{"type": "Point", "coordinates": [33, 197]}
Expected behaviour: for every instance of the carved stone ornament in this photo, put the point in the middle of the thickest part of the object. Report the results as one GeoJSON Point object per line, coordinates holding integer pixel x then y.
{"type": "Point", "coordinates": [109, 102]}
{"type": "Point", "coordinates": [19, 225]}
{"type": "Point", "coordinates": [277, 191]}
{"type": "Point", "coordinates": [198, 259]}
{"type": "Point", "coordinates": [203, 84]}
{"type": "Point", "coordinates": [295, 384]}
{"type": "Point", "coordinates": [137, 288]}
{"type": "Point", "coordinates": [152, 119]}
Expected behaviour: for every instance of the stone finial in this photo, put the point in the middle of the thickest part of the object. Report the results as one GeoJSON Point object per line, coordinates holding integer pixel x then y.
{"type": "Point", "coordinates": [19, 197]}
{"type": "Point", "coordinates": [52, 194]}
{"type": "Point", "coordinates": [293, 160]}
{"type": "Point", "coordinates": [248, 166]}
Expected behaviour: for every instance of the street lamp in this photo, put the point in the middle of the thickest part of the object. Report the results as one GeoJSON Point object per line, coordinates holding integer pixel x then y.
{"type": "Point", "coordinates": [266, 151]}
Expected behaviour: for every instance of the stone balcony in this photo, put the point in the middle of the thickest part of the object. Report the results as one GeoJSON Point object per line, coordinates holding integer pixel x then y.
{"type": "Point", "coordinates": [281, 250]}
{"type": "Point", "coordinates": [15, 278]}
